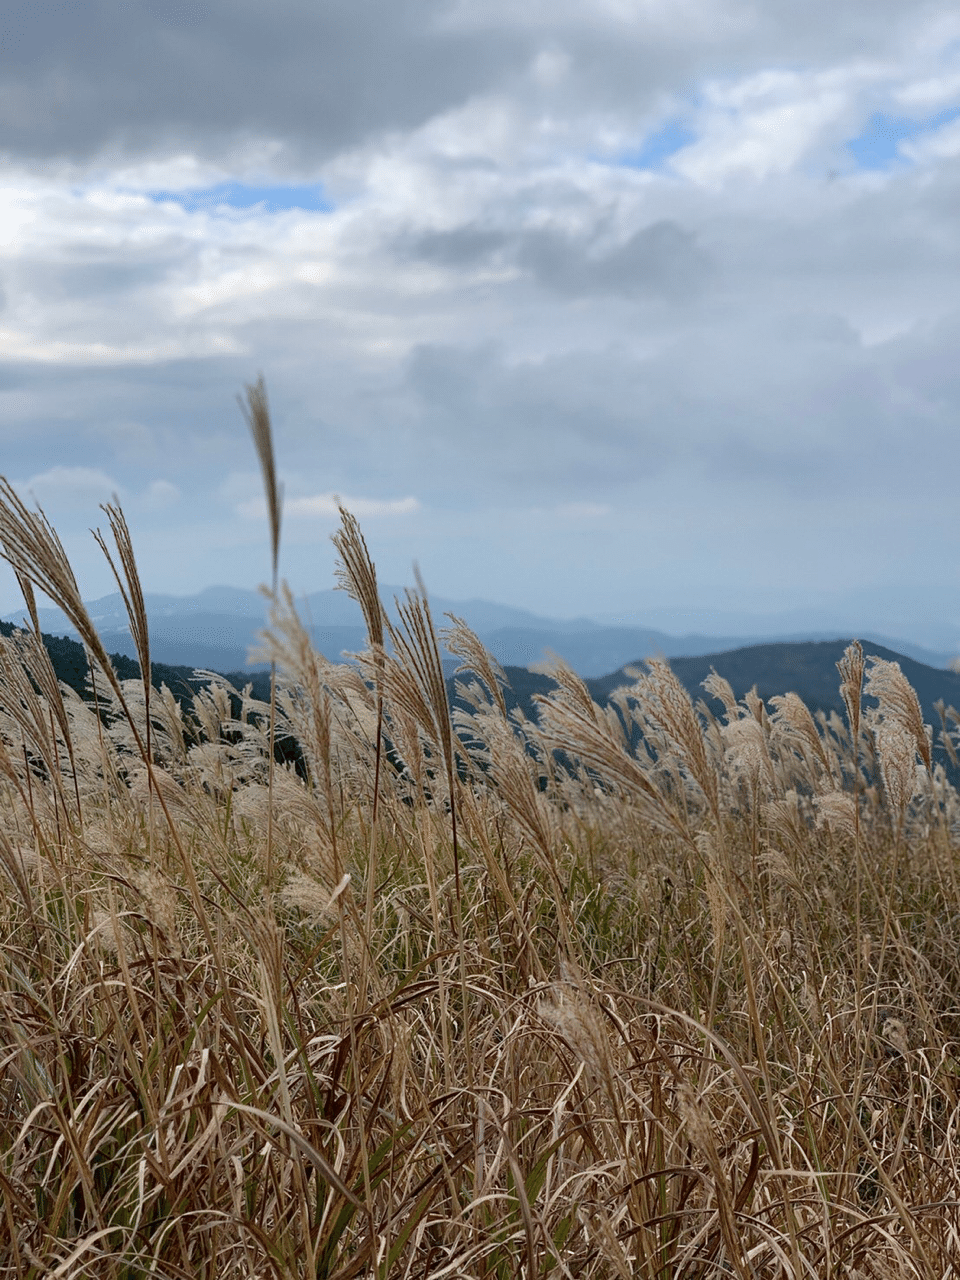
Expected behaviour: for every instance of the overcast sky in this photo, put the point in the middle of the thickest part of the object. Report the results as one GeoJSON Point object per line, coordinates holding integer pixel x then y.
{"type": "Point", "coordinates": [637, 308]}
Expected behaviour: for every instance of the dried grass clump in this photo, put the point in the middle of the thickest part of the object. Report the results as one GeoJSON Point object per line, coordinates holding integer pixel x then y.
{"type": "Point", "coordinates": [624, 991]}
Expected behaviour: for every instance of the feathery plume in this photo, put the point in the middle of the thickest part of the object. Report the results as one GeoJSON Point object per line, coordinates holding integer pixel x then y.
{"type": "Point", "coordinates": [464, 643]}
{"type": "Point", "coordinates": [793, 724]}
{"type": "Point", "coordinates": [667, 705]}
{"type": "Point", "coordinates": [128, 581]}
{"type": "Point", "coordinates": [837, 810]}
{"type": "Point", "coordinates": [899, 704]}
{"type": "Point", "coordinates": [31, 545]}
{"type": "Point", "coordinates": [896, 749]}
{"type": "Point", "coordinates": [850, 667]}
{"type": "Point", "coordinates": [418, 685]}
{"type": "Point", "coordinates": [571, 722]}
{"type": "Point", "coordinates": [256, 410]}
{"type": "Point", "coordinates": [357, 575]}
{"type": "Point", "coordinates": [719, 687]}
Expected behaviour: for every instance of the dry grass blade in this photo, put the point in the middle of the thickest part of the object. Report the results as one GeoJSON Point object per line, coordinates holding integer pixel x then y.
{"type": "Point", "coordinates": [30, 599]}
{"type": "Point", "coordinates": [326, 1169]}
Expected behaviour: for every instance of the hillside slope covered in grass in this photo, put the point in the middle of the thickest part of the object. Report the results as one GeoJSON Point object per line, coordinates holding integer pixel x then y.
{"type": "Point", "coordinates": [806, 668]}
{"type": "Point", "coordinates": [527, 1000]}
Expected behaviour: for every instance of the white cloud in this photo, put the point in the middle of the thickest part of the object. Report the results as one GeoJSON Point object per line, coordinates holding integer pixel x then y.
{"type": "Point", "coordinates": [69, 487]}
{"type": "Point", "coordinates": [327, 506]}
{"type": "Point", "coordinates": [160, 495]}
{"type": "Point", "coordinates": [766, 124]}
{"type": "Point", "coordinates": [930, 93]}
{"type": "Point", "coordinates": [934, 145]}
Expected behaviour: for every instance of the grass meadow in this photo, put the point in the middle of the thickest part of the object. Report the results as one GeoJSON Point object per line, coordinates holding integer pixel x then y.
{"type": "Point", "coordinates": [630, 991]}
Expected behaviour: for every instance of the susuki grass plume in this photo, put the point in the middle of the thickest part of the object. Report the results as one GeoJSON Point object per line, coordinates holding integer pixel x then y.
{"type": "Point", "coordinates": [31, 546]}
{"type": "Point", "coordinates": [131, 592]}
{"type": "Point", "coordinates": [851, 668]}
{"type": "Point", "coordinates": [419, 686]}
{"type": "Point", "coordinates": [898, 705]}
{"type": "Point", "coordinates": [256, 410]}
{"type": "Point", "coordinates": [357, 575]}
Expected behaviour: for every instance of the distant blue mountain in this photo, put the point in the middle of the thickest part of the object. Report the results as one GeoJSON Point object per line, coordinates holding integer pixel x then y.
{"type": "Point", "coordinates": [217, 629]}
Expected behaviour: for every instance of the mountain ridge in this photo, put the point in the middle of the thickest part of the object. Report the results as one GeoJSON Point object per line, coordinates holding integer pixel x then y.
{"type": "Point", "coordinates": [218, 627]}
{"type": "Point", "coordinates": [807, 669]}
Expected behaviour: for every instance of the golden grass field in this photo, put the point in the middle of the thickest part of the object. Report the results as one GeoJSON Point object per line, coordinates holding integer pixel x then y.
{"type": "Point", "coordinates": [475, 997]}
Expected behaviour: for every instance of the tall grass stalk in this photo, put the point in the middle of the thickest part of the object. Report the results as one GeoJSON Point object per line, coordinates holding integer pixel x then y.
{"type": "Point", "coordinates": [256, 410]}
{"type": "Point", "coordinates": [357, 575]}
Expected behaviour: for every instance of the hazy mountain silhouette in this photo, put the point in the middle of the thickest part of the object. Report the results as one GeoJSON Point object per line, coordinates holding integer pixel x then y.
{"type": "Point", "coordinates": [217, 629]}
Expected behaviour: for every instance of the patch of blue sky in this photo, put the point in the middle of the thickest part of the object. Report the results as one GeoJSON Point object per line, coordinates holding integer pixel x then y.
{"type": "Point", "coordinates": [657, 147]}
{"type": "Point", "coordinates": [878, 147]}
{"type": "Point", "coordinates": [241, 195]}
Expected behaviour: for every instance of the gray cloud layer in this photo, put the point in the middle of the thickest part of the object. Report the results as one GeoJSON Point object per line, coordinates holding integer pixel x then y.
{"type": "Point", "coordinates": [662, 259]}
{"type": "Point", "coordinates": [318, 78]}
{"type": "Point", "coordinates": [170, 74]}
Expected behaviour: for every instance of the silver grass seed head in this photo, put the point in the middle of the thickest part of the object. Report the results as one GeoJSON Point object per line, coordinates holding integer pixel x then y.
{"type": "Point", "coordinates": [837, 810]}
{"type": "Point", "coordinates": [899, 705]}
{"type": "Point", "coordinates": [256, 410]}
